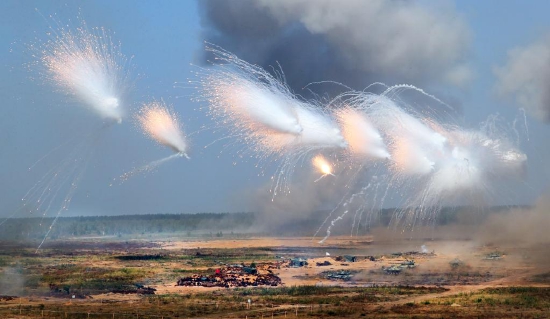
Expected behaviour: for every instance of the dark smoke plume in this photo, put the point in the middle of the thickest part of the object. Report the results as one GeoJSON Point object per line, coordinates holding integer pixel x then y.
{"type": "Point", "coordinates": [352, 42]}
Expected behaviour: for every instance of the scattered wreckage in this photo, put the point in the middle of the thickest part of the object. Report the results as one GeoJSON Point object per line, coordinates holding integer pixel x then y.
{"type": "Point", "coordinates": [233, 276]}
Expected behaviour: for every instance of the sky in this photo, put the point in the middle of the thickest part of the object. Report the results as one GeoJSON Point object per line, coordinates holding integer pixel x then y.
{"type": "Point", "coordinates": [472, 54]}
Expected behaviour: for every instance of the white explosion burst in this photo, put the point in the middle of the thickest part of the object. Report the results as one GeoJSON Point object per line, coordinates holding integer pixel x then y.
{"type": "Point", "coordinates": [88, 65]}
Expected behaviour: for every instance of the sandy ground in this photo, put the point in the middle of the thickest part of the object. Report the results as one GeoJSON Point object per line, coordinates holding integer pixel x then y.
{"type": "Point", "coordinates": [517, 266]}
{"type": "Point", "coordinates": [512, 269]}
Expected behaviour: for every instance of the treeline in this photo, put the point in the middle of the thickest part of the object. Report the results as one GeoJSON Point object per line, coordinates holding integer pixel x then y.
{"type": "Point", "coordinates": [223, 224]}
{"type": "Point", "coordinates": [188, 224]}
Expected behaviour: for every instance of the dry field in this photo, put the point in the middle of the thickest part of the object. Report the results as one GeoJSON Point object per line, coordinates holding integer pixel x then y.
{"type": "Point", "coordinates": [108, 278]}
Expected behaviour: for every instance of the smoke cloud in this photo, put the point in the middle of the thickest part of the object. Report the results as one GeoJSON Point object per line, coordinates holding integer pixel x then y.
{"type": "Point", "coordinates": [520, 227]}
{"type": "Point", "coordinates": [352, 42]}
{"type": "Point", "coordinates": [523, 230]}
{"type": "Point", "coordinates": [305, 207]}
{"type": "Point", "coordinates": [526, 77]}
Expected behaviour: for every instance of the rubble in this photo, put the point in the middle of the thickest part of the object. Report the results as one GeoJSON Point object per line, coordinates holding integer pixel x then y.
{"type": "Point", "coordinates": [233, 276]}
{"type": "Point", "coordinates": [7, 298]}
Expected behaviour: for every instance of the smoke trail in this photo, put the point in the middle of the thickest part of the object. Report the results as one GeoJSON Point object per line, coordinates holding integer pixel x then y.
{"type": "Point", "coordinates": [434, 162]}
{"type": "Point", "coordinates": [421, 159]}
{"type": "Point", "coordinates": [259, 107]}
{"type": "Point", "coordinates": [161, 124]}
{"type": "Point", "coordinates": [148, 167]}
{"type": "Point", "coordinates": [88, 65]}
{"type": "Point", "coordinates": [323, 166]}
{"type": "Point", "coordinates": [260, 110]}
{"type": "Point", "coordinates": [363, 138]}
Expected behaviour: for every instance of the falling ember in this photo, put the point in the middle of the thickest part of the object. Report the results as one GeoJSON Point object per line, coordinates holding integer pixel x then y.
{"type": "Point", "coordinates": [322, 165]}
{"type": "Point", "coordinates": [162, 125]}
{"type": "Point", "coordinates": [87, 64]}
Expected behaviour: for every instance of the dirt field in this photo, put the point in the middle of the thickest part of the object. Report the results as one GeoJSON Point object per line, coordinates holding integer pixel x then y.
{"type": "Point", "coordinates": [344, 277]}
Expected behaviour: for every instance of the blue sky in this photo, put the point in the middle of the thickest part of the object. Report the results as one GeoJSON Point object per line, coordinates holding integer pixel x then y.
{"type": "Point", "coordinates": [165, 39]}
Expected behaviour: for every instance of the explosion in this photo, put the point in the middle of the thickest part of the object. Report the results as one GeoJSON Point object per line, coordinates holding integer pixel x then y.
{"type": "Point", "coordinates": [88, 65]}
{"type": "Point", "coordinates": [429, 162]}
{"type": "Point", "coordinates": [162, 125]}
{"type": "Point", "coordinates": [261, 109]}
{"type": "Point", "coordinates": [322, 165]}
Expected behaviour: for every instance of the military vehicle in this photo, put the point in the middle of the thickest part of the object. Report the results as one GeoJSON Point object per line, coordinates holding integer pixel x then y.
{"type": "Point", "coordinates": [393, 270]}
{"type": "Point", "coordinates": [493, 256]}
{"type": "Point", "coordinates": [455, 263]}
{"type": "Point", "coordinates": [408, 264]}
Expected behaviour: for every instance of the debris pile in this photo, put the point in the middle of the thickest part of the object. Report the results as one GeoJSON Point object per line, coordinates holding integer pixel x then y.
{"type": "Point", "coordinates": [7, 298]}
{"type": "Point", "coordinates": [233, 276]}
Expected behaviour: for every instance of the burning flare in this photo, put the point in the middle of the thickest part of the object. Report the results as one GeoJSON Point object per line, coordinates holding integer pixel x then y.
{"type": "Point", "coordinates": [323, 166]}
{"type": "Point", "coordinates": [162, 125]}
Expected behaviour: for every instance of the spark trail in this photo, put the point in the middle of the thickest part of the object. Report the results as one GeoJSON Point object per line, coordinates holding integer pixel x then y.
{"type": "Point", "coordinates": [432, 163]}
{"type": "Point", "coordinates": [262, 111]}
{"type": "Point", "coordinates": [323, 166]}
{"type": "Point", "coordinates": [161, 124]}
{"type": "Point", "coordinates": [148, 167]}
{"type": "Point", "coordinates": [363, 138]}
{"type": "Point", "coordinates": [88, 65]}
{"type": "Point", "coordinates": [414, 155]}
